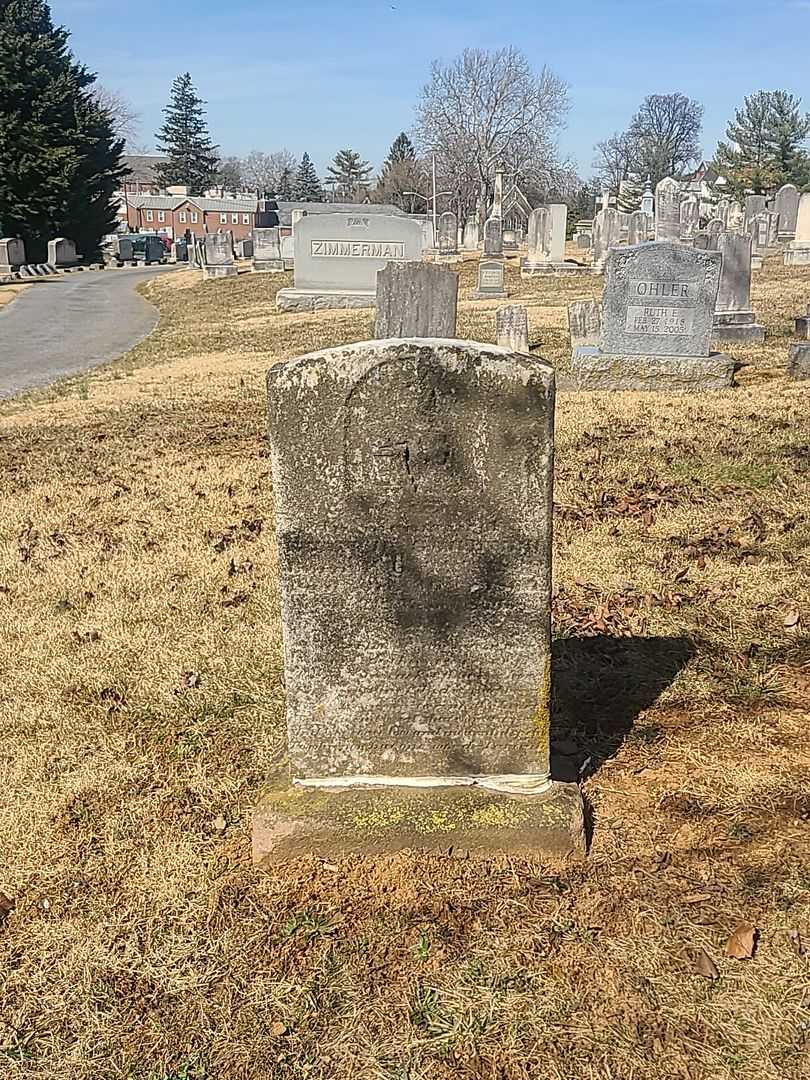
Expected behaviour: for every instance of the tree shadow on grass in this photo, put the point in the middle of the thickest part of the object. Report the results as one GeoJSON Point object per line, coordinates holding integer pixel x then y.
{"type": "Point", "coordinates": [601, 684]}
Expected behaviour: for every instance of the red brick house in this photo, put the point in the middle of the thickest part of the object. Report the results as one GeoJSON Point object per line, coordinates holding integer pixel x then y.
{"type": "Point", "coordinates": [176, 214]}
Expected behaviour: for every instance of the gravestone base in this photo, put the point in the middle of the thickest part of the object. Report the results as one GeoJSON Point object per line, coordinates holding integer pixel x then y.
{"type": "Point", "coordinates": [488, 294]}
{"type": "Point", "coordinates": [448, 257]}
{"type": "Point", "coordinates": [295, 820]}
{"type": "Point", "coordinates": [797, 255]}
{"type": "Point", "coordinates": [268, 266]}
{"type": "Point", "coordinates": [218, 271]}
{"type": "Point", "coordinates": [737, 327]}
{"type": "Point", "coordinates": [322, 300]}
{"type": "Point", "coordinates": [756, 262]}
{"type": "Point", "coordinates": [785, 237]}
{"type": "Point", "coordinates": [536, 269]}
{"type": "Point", "coordinates": [594, 370]}
{"type": "Point", "coordinates": [799, 361]}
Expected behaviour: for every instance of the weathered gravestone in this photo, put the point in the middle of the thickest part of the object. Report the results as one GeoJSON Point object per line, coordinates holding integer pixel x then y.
{"type": "Point", "coordinates": [510, 241]}
{"type": "Point", "coordinates": [754, 204]}
{"type": "Point", "coordinates": [797, 252]}
{"type": "Point", "coordinates": [658, 314]}
{"type": "Point", "coordinates": [585, 323]}
{"type": "Point", "coordinates": [490, 281]}
{"type": "Point", "coordinates": [759, 233]}
{"type": "Point", "coordinates": [412, 484]}
{"type": "Point", "coordinates": [668, 210]}
{"type": "Point", "coordinates": [288, 252]}
{"type": "Point", "coordinates": [605, 236]}
{"type": "Point", "coordinates": [267, 256]}
{"type": "Point", "coordinates": [62, 252]}
{"type": "Point", "coordinates": [638, 227]}
{"type": "Point", "coordinates": [337, 257]}
{"type": "Point", "coordinates": [493, 237]}
{"type": "Point", "coordinates": [448, 233]}
{"type": "Point", "coordinates": [219, 261]}
{"type": "Point", "coordinates": [799, 361]}
{"type": "Point", "coordinates": [689, 211]}
{"type": "Point", "coordinates": [734, 321]}
{"type": "Point", "coordinates": [416, 299]}
{"type": "Point", "coordinates": [713, 230]}
{"type": "Point", "coordinates": [12, 255]}
{"type": "Point", "coordinates": [803, 326]}
{"type": "Point", "coordinates": [470, 238]}
{"type": "Point", "coordinates": [512, 328]}
{"type": "Point", "coordinates": [546, 241]}
{"type": "Point", "coordinates": [786, 206]}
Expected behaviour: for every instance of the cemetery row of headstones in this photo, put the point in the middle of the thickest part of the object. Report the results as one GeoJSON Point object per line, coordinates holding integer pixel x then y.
{"type": "Point", "coordinates": [14, 267]}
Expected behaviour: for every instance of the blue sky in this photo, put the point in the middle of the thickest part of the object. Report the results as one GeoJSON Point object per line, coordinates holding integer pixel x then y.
{"type": "Point", "coordinates": [319, 76]}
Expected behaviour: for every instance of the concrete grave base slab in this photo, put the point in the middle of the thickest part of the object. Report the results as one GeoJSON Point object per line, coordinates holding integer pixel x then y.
{"type": "Point", "coordinates": [737, 327]}
{"type": "Point", "coordinates": [476, 294]}
{"type": "Point", "coordinates": [218, 271]}
{"type": "Point", "coordinates": [592, 369]}
{"type": "Point", "coordinates": [530, 269]}
{"type": "Point", "coordinates": [292, 821]}
{"type": "Point", "coordinates": [756, 262]}
{"type": "Point", "coordinates": [268, 266]}
{"type": "Point", "coordinates": [799, 361]}
{"type": "Point", "coordinates": [322, 300]}
{"type": "Point", "coordinates": [797, 255]}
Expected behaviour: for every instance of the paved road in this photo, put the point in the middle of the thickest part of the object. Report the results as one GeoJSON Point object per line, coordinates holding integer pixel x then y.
{"type": "Point", "coordinates": [62, 326]}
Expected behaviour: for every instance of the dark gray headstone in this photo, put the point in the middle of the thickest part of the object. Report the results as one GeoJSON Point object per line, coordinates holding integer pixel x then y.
{"type": "Point", "coordinates": [490, 280]}
{"type": "Point", "coordinates": [416, 299]}
{"type": "Point", "coordinates": [787, 207]}
{"type": "Point", "coordinates": [493, 236]}
{"type": "Point", "coordinates": [412, 485]}
{"type": "Point", "coordinates": [659, 300]}
{"type": "Point", "coordinates": [799, 361]}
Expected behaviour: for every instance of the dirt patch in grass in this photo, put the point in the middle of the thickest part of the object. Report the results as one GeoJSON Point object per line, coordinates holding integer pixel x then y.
{"type": "Point", "coordinates": [142, 710]}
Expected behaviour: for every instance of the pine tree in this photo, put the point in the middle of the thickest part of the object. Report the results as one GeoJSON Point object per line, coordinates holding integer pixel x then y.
{"type": "Point", "coordinates": [402, 149]}
{"type": "Point", "coordinates": [765, 143]}
{"type": "Point", "coordinates": [60, 161]}
{"type": "Point", "coordinates": [286, 182]}
{"type": "Point", "coordinates": [307, 186]}
{"type": "Point", "coordinates": [191, 157]}
{"type": "Point", "coordinates": [348, 172]}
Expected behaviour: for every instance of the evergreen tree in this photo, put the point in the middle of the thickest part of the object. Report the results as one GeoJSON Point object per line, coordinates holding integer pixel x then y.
{"type": "Point", "coordinates": [402, 149]}
{"type": "Point", "coordinates": [286, 182]}
{"type": "Point", "coordinates": [191, 157]}
{"type": "Point", "coordinates": [764, 148]}
{"type": "Point", "coordinates": [60, 161]}
{"type": "Point", "coordinates": [348, 172]}
{"type": "Point", "coordinates": [307, 186]}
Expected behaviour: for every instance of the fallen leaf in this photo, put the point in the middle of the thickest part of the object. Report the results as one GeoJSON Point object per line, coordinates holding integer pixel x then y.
{"type": "Point", "coordinates": [795, 939]}
{"type": "Point", "coordinates": [705, 966]}
{"type": "Point", "coordinates": [743, 942]}
{"type": "Point", "coordinates": [277, 1028]}
{"type": "Point", "coordinates": [792, 618]}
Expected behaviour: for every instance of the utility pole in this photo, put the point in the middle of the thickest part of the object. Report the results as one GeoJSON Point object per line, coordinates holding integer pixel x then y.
{"type": "Point", "coordinates": [435, 229]}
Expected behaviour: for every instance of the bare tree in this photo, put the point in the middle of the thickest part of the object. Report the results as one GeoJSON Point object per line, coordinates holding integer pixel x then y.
{"type": "Point", "coordinates": [612, 162]}
{"type": "Point", "coordinates": [664, 136]}
{"type": "Point", "coordinates": [486, 108]}
{"type": "Point", "coordinates": [126, 120]}
{"type": "Point", "coordinates": [264, 172]}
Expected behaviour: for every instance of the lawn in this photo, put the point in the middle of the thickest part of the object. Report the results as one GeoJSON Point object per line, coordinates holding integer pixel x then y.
{"type": "Point", "coordinates": [142, 709]}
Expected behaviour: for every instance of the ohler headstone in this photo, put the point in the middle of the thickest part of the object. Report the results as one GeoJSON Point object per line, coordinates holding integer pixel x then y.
{"type": "Point", "coordinates": [658, 315]}
{"type": "Point", "coordinates": [416, 299]}
{"type": "Point", "coordinates": [412, 485]}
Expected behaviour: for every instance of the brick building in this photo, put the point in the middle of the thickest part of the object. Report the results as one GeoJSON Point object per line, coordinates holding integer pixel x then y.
{"type": "Point", "coordinates": [176, 214]}
{"type": "Point", "coordinates": [142, 176]}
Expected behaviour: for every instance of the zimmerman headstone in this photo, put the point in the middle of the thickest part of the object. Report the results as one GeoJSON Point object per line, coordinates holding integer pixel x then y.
{"type": "Point", "coordinates": [668, 210]}
{"type": "Point", "coordinates": [219, 260]}
{"type": "Point", "coordinates": [512, 328]}
{"type": "Point", "coordinates": [658, 315]}
{"type": "Point", "coordinates": [416, 299]}
{"type": "Point", "coordinates": [337, 257]}
{"type": "Point", "coordinates": [734, 321]}
{"type": "Point", "coordinates": [267, 251]}
{"type": "Point", "coordinates": [412, 482]}
{"type": "Point", "coordinates": [490, 281]}
{"type": "Point", "coordinates": [12, 255]}
{"type": "Point", "coordinates": [797, 252]}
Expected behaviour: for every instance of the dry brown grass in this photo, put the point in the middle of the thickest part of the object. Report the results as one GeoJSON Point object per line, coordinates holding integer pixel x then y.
{"type": "Point", "coordinates": [142, 708]}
